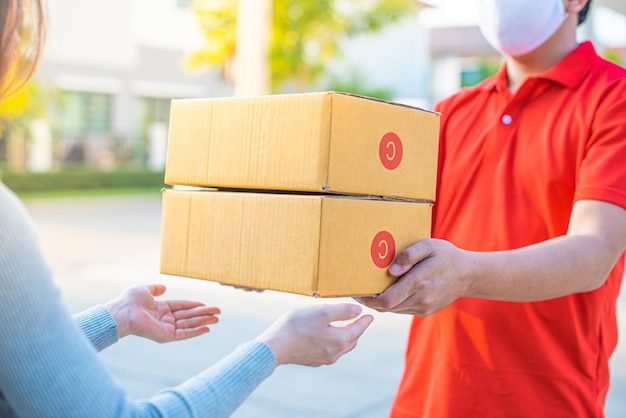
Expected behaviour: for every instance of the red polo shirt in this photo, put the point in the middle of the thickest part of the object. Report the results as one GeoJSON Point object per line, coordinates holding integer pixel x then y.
{"type": "Point", "coordinates": [511, 167]}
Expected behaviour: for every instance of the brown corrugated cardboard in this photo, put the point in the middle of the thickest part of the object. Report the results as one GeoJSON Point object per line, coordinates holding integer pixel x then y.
{"type": "Point", "coordinates": [315, 142]}
{"type": "Point", "coordinates": [317, 245]}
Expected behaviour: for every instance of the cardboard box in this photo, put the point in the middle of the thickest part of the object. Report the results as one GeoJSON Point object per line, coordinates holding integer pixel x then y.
{"type": "Point", "coordinates": [318, 245]}
{"type": "Point", "coordinates": [315, 142]}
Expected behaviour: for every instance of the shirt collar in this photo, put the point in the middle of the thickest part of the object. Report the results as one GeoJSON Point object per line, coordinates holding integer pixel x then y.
{"type": "Point", "coordinates": [569, 72]}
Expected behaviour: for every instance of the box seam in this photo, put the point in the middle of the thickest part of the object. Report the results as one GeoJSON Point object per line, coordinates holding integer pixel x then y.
{"type": "Point", "coordinates": [326, 187]}
{"type": "Point", "coordinates": [169, 135]}
{"type": "Point", "coordinates": [211, 136]}
{"type": "Point", "coordinates": [188, 229]}
{"type": "Point", "coordinates": [319, 248]}
{"type": "Point", "coordinates": [358, 96]}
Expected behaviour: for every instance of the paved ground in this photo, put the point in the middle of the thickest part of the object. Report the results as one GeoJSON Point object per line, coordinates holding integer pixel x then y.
{"type": "Point", "coordinates": [98, 246]}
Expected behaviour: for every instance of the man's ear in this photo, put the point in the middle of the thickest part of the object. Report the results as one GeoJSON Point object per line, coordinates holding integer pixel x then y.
{"type": "Point", "coordinates": [574, 6]}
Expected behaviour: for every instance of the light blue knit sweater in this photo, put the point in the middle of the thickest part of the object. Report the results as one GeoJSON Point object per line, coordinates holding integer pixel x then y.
{"type": "Point", "coordinates": [49, 369]}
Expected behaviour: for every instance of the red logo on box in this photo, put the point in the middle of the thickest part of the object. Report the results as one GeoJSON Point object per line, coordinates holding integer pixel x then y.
{"type": "Point", "coordinates": [390, 151]}
{"type": "Point", "coordinates": [383, 249]}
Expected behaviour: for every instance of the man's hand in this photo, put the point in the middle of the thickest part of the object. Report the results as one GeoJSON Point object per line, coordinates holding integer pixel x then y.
{"type": "Point", "coordinates": [434, 273]}
{"type": "Point", "coordinates": [431, 277]}
{"type": "Point", "coordinates": [137, 312]}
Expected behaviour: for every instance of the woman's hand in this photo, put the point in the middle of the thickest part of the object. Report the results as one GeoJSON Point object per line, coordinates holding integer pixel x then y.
{"type": "Point", "coordinates": [306, 336]}
{"type": "Point", "coordinates": [137, 312]}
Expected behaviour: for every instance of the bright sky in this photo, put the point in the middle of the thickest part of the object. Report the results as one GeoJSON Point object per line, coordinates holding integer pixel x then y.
{"type": "Point", "coordinates": [609, 26]}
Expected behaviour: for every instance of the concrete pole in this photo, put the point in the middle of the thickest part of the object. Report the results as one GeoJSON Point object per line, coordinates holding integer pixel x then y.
{"type": "Point", "coordinates": [157, 136]}
{"type": "Point", "coordinates": [253, 35]}
{"type": "Point", "coordinates": [40, 150]}
{"type": "Point", "coordinates": [446, 76]}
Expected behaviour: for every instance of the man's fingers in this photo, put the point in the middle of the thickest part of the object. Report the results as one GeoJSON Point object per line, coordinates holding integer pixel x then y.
{"type": "Point", "coordinates": [410, 256]}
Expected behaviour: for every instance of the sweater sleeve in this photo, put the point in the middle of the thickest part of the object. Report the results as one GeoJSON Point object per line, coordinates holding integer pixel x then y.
{"type": "Point", "coordinates": [48, 367]}
{"type": "Point", "coordinates": [98, 325]}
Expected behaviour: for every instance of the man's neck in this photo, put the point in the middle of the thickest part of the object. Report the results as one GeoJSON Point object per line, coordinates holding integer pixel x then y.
{"type": "Point", "coordinates": [544, 57]}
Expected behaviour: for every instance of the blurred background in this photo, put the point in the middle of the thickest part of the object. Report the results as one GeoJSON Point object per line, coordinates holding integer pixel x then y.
{"type": "Point", "coordinates": [94, 120]}
{"type": "Point", "coordinates": [100, 100]}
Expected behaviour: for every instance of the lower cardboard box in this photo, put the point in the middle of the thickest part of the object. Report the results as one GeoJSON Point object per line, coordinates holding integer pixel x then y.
{"type": "Point", "coordinates": [317, 245]}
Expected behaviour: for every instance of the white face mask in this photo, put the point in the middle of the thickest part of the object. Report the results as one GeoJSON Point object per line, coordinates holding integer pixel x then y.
{"type": "Point", "coordinates": [517, 27]}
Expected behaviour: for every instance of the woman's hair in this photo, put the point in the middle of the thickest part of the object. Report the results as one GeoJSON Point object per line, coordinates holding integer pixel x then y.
{"type": "Point", "coordinates": [22, 36]}
{"type": "Point", "coordinates": [582, 15]}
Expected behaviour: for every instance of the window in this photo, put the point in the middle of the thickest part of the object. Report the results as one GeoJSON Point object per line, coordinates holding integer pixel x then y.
{"type": "Point", "coordinates": [85, 130]}
{"type": "Point", "coordinates": [183, 4]}
{"type": "Point", "coordinates": [154, 110]}
{"type": "Point", "coordinates": [153, 113]}
{"type": "Point", "coordinates": [476, 70]}
{"type": "Point", "coordinates": [83, 113]}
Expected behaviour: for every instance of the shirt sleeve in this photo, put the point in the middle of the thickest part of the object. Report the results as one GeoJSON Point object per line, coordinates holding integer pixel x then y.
{"type": "Point", "coordinates": [602, 174]}
{"type": "Point", "coordinates": [48, 367]}
{"type": "Point", "coordinates": [98, 325]}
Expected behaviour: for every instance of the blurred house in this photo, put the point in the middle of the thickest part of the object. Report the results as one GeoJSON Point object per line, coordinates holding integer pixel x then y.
{"type": "Point", "coordinates": [394, 62]}
{"type": "Point", "coordinates": [461, 56]}
{"type": "Point", "coordinates": [617, 5]}
{"type": "Point", "coordinates": [115, 65]}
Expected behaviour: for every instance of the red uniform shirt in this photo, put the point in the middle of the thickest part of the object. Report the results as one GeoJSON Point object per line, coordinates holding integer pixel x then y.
{"type": "Point", "coordinates": [511, 167]}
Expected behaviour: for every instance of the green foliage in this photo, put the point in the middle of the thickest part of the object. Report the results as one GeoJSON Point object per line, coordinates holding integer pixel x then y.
{"type": "Point", "coordinates": [488, 68]}
{"type": "Point", "coordinates": [28, 103]}
{"type": "Point", "coordinates": [81, 180]}
{"type": "Point", "coordinates": [302, 41]}
{"type": "Point", "coordinates": [356, 83]}
{"type": "Point", "coordinates": [612, 54]}
{"type": "Point", "coordinates": [485, 69]}
{"type": "Point", "coordinates": [218, 23]}
{"type": "Point", "coordinates": [305, 34]}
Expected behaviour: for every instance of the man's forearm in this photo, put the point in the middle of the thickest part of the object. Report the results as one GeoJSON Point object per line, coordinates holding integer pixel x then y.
{"type": "Point", "coordinates": [553, 268]}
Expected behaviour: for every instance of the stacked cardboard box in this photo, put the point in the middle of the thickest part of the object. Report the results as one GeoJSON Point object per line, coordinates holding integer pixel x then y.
{"type": "Point", "coordinates": [305, 193]}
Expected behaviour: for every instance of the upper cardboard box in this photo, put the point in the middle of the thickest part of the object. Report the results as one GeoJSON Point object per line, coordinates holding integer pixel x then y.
{"type": "Point", "coordinates": [315, 142]}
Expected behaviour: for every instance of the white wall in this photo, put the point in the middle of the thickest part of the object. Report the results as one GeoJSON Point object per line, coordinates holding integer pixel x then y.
{"type": "Point", "coordinates": [397, 58]}
{"type": "Point", "coordinates": [91, 32]}
{"type": "Point", "coordinates": [106, 32]}
{"type": "Point", "coordinates": [161, 23]}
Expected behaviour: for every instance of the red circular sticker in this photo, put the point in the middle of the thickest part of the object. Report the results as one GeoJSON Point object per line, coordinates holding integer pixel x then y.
{"type": "Point", "coordinates": [383, 249]}
{"type": "Point", "coordinates": [390, 151]}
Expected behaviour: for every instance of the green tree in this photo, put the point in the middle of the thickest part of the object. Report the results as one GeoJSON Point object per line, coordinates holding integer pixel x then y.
{"type": "Point", "coordinates": [26, 104]}
{"type": "Point", "coordinates": [613, 54]}
{"type": "Point", "coordinates": [353, 81]}
{"type": "Point", "coordinates": [17, 112]}
{"type": "Point", "coordinates": [305, 34]}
